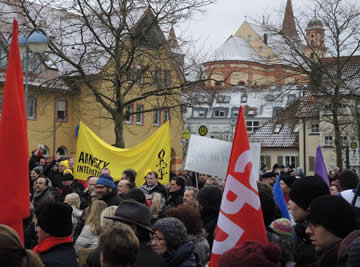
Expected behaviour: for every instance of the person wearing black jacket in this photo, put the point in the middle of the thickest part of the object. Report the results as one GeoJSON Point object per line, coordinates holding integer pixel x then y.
{"type": "Point", "coordinates": [152, 185]}
{"type": "Point", "coordinates": [176, 192]}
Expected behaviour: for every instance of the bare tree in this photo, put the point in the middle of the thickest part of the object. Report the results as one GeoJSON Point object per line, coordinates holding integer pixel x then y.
{"type": "Point", "coordinates": [325, 52]}
{"type": "Point", "coordinates": [114, 49]}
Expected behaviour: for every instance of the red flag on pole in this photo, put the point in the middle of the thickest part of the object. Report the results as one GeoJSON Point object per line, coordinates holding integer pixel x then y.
{"type": "Point", "coordinates": [240, 217]}
{"type": "Point", "coordinates": [14, 180]}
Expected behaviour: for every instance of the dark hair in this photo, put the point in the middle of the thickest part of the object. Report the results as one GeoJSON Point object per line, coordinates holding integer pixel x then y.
{"type": "Point", "coordinates": [348, 179]}
{"type": "Point", "coordinates": [38, 172]}
{"type": "Point", "coordinates": [180, 180]}
{"type": "Point", "coordinates": [131, 174]}
{"type": "Point", "coordinates": [46, 180]}
{"type": "Point", "coordinates": [119, 246]}
{"type": "Point", "coordinates": [189, 216]}
{"type": "Point", "coordinates": [137, 195]}
{"type": "Point", "coordinates": [153, 173]}
{"type": "Point", "coordinates": [268, 205]}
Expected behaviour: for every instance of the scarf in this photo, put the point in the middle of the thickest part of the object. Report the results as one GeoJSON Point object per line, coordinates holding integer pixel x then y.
{"type": "Point", "coordinates": [51, 242]}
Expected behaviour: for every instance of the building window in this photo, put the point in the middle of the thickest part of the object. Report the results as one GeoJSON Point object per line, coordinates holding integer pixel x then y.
{"type": "Point", "coordinates": [223, 99]}
{"type": "Point", "coordinates": [167, 79]}
{"type": "Point", "coordinates": [315, 129]}
{"type": "Point", "coordinates": [241, 83]}
{"type": "Point", "coordinates": [157, 117]}
{"type": "Point", "coordinates": [342, 108]}
{"type": "Point", "coordinates": [139, 75]}
{"type": "Point", "coordinates": [344, 140]}
{"type": "Point", "coordinates": [61, 112]}
{"type": "Point", "coordinates": [328, 109]}
{"type": "Point", "coordinates": [252, 126]}
{"type": "Point", "coordinates": [277, 110]}
{"type": "Point", "coordinates": [251, 113]}
{"type": "Point", "coordinates": [328, 140]}
{"type": "Point", "coordinates": [31, 108]}
{"type": "Point", "coordinates": [218, 83]}
{"type": "Point", "coordinates": [244, 99]}
{"type": "Point", "coordinates": [129, 110]}
{"type": "Point", "coordinates": [139, 116]}
{"type": "Point", "coordinates": [235, 113]}
{"type": "Point", "coordinates": [291, 98]}
{"type": "Point", "coordinates": [130, 74]}
{"type": "Point", "coordinates": [199, 112]}
{"type": "Point", "coordinates": [166, 115]}
{"type": "Point", "coordinates": [277, 128]}
{"type": "Point", "coordinates": [220, 113]}
{"type": "Point", "coordinates": [157, 77]}
{"type": "Point", "coordinates": [290, 161]}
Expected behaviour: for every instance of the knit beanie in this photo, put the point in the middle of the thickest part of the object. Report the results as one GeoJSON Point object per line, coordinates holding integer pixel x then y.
{"type": "Point", "coordinates": [304, 190]}
{"type": "Point", "coordinates": [65, 163]}
{"type": "Point", "coordinates": [334, 213]}
{"type": "Point", "coordinates": [67, 177]}
{"type": "Point", "coordinates": [210, 197]}
{"type": "Point", "coordinates": [106, 180]}
{"type": "Point", "coordinates": [40, 168]}
{"type": "Point", "coordinates": [252, 254]}
{"type": "Point", "coordinates": [174, 231]}
{"type": "Point", "coordinates": [288, 180]}
{"type": "Point", "coordinates": [55, 218]}
{"type": "Point", "coordinates": [282, 226]}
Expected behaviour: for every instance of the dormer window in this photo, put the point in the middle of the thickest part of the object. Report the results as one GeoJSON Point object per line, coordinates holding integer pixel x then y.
{"type": "Point", "coordinates": [223, 99]}
{"type": "Point", "coordinates": [244, 99]}
{"type": "Point", "coordinates": [251, 113]}
{"type": "Point", "coordinates": [277, 128]}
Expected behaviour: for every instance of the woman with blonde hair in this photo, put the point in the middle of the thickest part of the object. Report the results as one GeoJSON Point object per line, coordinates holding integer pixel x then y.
{"type": "Point", "coordinates": [13, 253]}
{"type": "Point", "coordinates": [89, 236]}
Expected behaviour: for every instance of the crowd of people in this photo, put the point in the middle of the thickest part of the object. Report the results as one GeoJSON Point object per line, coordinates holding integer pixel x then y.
{"type": "Point", "coordinates": [106, 223]}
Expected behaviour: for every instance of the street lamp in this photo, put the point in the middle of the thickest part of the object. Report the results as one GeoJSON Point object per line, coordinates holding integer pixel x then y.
{"type": "Point", "coordinates": [37, 42]}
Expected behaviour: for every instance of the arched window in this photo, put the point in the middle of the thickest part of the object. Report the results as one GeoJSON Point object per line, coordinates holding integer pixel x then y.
{"type": "Point", "coordinates": [63, 152]}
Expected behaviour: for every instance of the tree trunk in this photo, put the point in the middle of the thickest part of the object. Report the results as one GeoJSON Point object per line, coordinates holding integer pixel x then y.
{"type": "Point", "coordinates": [338, 145]}
{"type": "Point", "coordinates": [119, 131]}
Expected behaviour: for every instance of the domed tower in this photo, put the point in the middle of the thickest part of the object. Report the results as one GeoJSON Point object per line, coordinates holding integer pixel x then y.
{"type": "Point", "coordinates": [315, 39]}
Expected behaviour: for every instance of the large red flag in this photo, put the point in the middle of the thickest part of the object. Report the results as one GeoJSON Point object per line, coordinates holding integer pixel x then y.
{"type": "Point", "coordinates": [14, 179]}
{"type": "Point", "coordinates": [240, 217]}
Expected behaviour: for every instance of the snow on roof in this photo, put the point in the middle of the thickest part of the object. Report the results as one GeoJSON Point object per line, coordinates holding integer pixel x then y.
{"type": "Point", "coordinates": [235, 48]}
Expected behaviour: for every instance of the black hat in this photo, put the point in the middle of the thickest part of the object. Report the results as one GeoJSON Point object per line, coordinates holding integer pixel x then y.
{"type": "Point", "coordinates": [68, 177]}
{"type": "Point", "coordinates": [133, 212]}
{"type": "Point", "coordinates": [334, 213]}
{"type": "Point", "coordinates": [55, 218]}
{"type": "Point", "coordinates": [288, 180]}
{"type": "Point", "coordinates": [304, 190]}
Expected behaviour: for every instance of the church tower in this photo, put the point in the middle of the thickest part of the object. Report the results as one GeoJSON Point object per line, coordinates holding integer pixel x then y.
{"type": "Point", "coordinates": [289, 26]}
{"type": "Point", "coordinates": [315, 33]}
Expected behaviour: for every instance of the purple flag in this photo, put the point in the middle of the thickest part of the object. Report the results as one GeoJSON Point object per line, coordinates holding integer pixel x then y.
{"type": "Point", "coordinates": [320, 168]}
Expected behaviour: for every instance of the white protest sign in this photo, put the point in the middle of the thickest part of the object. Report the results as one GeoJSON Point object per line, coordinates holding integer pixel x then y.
{"type": "Point", "coordinates": [211, 156]}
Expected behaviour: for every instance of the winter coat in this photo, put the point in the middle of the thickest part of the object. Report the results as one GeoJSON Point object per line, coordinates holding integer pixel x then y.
{"type": "Point", "coordinates": [76, 216]}
{"type": "Point", "coordinates": [209, 221]}
{"type": "Point", "coordinates": [38, 197]}
{"type": "Point", "coordinates": [201, 246]}
{"type": "Point", "coordinates": [145, 257]}
{"type": "Point", "coordinates": [305, 255]}
{"type": "Point", "coordinates": [328, 257]}
{"type": "Point", "coordinates": [158, 188]}
{"type": "Point", "coordinates": [62, 255]}
{"type": "Point", "coordinates": [175, 198]}
{"type": "Point", "coordinates": [184, 256]}
{"type": "Point", "coordinates": [86, 240]}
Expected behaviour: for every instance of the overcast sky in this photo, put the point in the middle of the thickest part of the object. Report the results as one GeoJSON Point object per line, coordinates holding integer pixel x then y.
{"type": "Point", "coordinates": [211, 29]}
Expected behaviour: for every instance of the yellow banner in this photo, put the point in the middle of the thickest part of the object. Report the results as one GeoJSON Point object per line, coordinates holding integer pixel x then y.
{"type": "Point", "coordinates": [93, 154]}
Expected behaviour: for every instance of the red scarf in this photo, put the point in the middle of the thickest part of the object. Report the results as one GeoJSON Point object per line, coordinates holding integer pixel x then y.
{"type": "Point", "coordinates": [51, 242]}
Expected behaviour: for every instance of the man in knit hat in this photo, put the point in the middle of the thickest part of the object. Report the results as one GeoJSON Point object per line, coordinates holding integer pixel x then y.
{"type": "Point", "coordinates": [106, 190]}
{"type": "Point", "coordinates": [331, 219]}
{"type": "Point", "coordinates": [54, 228]}
{"type": "Point", "coordinates": [303, 192]}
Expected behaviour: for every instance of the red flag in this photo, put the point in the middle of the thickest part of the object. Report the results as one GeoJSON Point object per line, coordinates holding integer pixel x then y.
{"type": "Point", "coordinates": [14, 180]}
{"type": "Point", "coordinates": [240, 217]}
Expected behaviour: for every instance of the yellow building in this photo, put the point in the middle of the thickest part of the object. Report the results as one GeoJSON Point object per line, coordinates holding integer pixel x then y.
{"type": "Point", "coordinates": [55, 109]}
